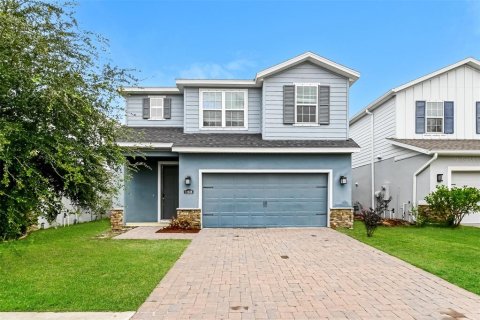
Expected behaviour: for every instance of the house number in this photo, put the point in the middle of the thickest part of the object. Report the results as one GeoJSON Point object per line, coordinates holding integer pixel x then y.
{"type": "Point", "coordinates": [188, 191]}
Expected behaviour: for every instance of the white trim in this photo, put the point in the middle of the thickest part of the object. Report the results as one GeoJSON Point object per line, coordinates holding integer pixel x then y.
{"type": "Point", "coordinates": [216, 83]}
{"type": "Point", "coordinates": [262, 150]}
{"type": "Point", "coordinates": [314, 123]}
{"type": "Point", "coordinates": [451, 169]}
{"type": "Point", "coordinates": [329, 172]}
{"type": "Point", "coordinates": [160, 98]}
{"type": "Point", "coordinates": [351, 74]}
{"type": "Point", "coordinates": [439, 151]}
{"type": "Point", "coordinates": [436, 117]}
{"type": "Point", "coordinates": [159, 186]}
{"type": "Point", "coordinates": [201, 91]}
{"type": "Point", "coordinates": [149, 90]}
{"type": "Point", "coordinates": [416, 173]}
{"type": "Point", "coordinates": [145, 145]}
{"type": "Point", "coordinates": [408, 146]}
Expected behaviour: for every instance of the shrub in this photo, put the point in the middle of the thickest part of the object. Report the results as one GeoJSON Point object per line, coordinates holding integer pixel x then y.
{"type": "Point", "coordinates": [371, 220]}
{"type": "Point", "coordinates": [184, 222]}
{"type": "Point", "coordinates": [452, 205]}
{"type": "Point", "coordinates": [421, 218]}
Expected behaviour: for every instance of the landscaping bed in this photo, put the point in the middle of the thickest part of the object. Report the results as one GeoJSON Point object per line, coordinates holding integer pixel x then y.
{"type": "Point", "coordinates": [452, 254]}
{"type": "Point", "coordinates": [72, 269]}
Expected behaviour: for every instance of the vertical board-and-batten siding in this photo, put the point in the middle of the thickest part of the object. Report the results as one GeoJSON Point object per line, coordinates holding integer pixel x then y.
{"type": "Point", "coordinates": [460, 85]}
{"type": "Point", "coordinates": [192, 105]}
{"type": "Point", "coordinates": [134, 112]}
{"type": "Point", "coordinates": [273, 126]}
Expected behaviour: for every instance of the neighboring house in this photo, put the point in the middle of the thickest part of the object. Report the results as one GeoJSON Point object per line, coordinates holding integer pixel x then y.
{"type": "Point", "coordinates": [269, 152]}
{"type": "Point", "coordinates": [419, 135]}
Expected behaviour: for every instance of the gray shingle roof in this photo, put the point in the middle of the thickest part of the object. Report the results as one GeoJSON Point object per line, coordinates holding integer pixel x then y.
{"type": "Point", "coordinates": [219, 140]}
{"type": "Point", "coordinates": [441, 144]}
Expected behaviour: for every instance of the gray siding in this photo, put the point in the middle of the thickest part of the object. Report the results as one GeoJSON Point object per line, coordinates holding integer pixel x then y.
{"type": "Point", "coordinates": [273, 127]}
{"type": "Point", "coordinates": [134, 113]}
{"type": "Point", "coordinates": [361, 133]}
{"type": "Point", "coordinates": [192, 111]}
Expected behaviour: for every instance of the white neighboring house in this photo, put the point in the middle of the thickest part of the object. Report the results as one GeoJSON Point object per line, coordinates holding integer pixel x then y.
{"type": "Point", "coordinates": [419, 135]}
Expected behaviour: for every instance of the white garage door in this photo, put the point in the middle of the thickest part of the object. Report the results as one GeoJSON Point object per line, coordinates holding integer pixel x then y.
{"type": "Point", "coordinates": [467, 178]}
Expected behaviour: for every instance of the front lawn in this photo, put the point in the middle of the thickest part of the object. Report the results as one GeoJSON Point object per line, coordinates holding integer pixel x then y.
{"type": "Point", "coordinates": [69, 269]}
{"type": "Point", "coordinates": [452, 254]}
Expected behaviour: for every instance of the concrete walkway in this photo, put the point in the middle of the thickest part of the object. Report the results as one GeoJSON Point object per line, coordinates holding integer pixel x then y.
{"type": "Point", "coordinates": [66, 315]}
{"type": "Point", "coordinates": [299, 274]}
{"type": "Point", "coordinates": [150, 233]}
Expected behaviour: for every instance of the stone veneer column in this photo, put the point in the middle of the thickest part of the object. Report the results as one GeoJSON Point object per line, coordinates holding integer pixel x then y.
{"type": "Point", "coordinates": [341, 218]}
{"type": "Point", "coordinates": [192, 214]}
{"type": "Point", "coordinates": [116, 219]}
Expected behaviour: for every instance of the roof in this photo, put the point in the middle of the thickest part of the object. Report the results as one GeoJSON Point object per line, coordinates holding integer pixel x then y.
{"type": "Point", "coordinates": [174, 138]}
{"type": "Point", "coordinates": [440, 146]}
{"type": "Point", "coordinates": [311, 57]}
{"type": "Point", "coordinates": [472, 62]}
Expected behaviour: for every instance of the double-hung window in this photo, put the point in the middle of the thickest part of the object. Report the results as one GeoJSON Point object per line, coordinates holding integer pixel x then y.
{"type": "Point", "coordinates": [156, 108]}
{"type": "Point", "coordinates": [223, 109]}
{"type": "Point", "coordinates": [306, 103]}
{"type": "Point", "coordinates": [434, 117]}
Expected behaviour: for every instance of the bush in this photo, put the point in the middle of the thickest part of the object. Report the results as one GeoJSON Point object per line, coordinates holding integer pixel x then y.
{"type": "Point", "coordinates": [421, 218]}
{"type": "Point", "coordinates": [371, 220]}
{"type": "Point", "coordinates": [184, 222]}
{"type": "Point", "coordinates": [452, 205]}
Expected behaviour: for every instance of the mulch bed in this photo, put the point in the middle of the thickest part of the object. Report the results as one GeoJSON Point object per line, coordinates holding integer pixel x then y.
{"type": "Point", "coordinates": [395, 222]}
{"type": "Point", "coordinates": [174, 230]}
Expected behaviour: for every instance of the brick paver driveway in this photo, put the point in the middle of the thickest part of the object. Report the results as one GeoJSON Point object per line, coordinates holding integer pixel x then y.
{"type": "Point", "coordinates": [299, 274]}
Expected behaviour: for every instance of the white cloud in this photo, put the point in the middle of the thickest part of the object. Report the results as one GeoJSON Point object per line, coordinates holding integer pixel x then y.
{"type": "Point", "coordinates": [215, 70]}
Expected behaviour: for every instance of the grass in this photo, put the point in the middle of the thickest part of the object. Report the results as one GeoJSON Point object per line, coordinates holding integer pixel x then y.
{"type": "Point", "coordinates": [452, 254]}
{"type": "Point", "coordinates": [69, 269]}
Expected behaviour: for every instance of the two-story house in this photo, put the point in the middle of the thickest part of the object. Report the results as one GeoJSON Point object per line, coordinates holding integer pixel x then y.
{"type": "Point", "coordinates": [269, 152]}
{"type": "Point", "coordinates": [419, 135]}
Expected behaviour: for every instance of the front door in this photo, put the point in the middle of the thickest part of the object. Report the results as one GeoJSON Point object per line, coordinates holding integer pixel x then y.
{"type": "Point", "coordinates": [169, 191]}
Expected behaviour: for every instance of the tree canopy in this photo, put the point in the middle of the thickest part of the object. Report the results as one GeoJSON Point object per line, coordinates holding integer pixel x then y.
{"type": "Point", "coordinates": [58, 115]}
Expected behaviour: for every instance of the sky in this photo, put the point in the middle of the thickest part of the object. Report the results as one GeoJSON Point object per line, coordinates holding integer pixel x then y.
{"type": "Point", "coordinates": [388, 42]}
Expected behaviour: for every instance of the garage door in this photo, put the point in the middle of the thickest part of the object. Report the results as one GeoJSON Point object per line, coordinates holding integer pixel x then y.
{"type": "Point", "coordinates": [467, 178]}
{"type": "Point", "coordinates": [264, 200]}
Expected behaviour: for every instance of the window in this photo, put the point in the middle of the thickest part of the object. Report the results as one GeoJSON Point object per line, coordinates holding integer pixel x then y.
{"type": "Point", "coordinates": [156, 108]}
{"type": "Point", "coordinates": [223, 108]}
{"type": "Point", "coordinates": [434, 112]}
{"type": "Point", "coordinates": [306, 99]}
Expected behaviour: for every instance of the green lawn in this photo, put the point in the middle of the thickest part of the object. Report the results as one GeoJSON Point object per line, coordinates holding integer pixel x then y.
{"type": "Point", "coordinates": [69, 269]}
{"type": "Point", "coordinates": [452, 254]}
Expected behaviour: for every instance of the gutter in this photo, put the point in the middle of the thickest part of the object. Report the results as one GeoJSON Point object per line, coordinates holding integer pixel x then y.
{"type": "Point", "coordinates": [420, 170]}
{"type": "Point", "coordinates": [372, 158]}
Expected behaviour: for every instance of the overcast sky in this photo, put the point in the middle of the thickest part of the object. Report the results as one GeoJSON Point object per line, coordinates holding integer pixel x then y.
{"type": "Point", "coordinates": [388, 42]}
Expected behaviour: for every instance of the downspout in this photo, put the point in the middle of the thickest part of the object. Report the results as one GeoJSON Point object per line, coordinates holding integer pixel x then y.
{"type": "Point", "coordinates": [420, 170]}
{"type": "Point", "coordinates": [372, 158]}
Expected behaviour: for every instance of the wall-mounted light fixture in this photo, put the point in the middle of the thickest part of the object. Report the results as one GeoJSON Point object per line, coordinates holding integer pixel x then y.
{"type": "Point", "coordinates": [343, 180]}
{"type": "Point", "coordinates": [440, 177]}
{"type": "Point", "coordinates": [188, 180]}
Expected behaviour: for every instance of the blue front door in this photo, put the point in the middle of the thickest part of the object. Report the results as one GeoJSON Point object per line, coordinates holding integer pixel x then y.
{"type": "Point", "coordinates": [264, 200]}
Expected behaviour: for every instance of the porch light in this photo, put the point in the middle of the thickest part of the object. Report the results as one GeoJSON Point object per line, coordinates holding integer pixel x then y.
{"type": "Point", "coordinates": [343, 180]}
{"type": "Point", "coordinates": [188, 180]}
{"type": "Point", "coordinates": [440, 177]}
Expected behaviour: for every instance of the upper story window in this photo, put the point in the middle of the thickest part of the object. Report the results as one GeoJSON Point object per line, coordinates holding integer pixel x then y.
{"type": "Point", "coordinates": [434, 113]}
{"type": "Point", "coordinates": [306, 103]}
{"type": "Point", "coordinates": [223, 109]}
{"type": "Point", "coordinates": [156, 108]}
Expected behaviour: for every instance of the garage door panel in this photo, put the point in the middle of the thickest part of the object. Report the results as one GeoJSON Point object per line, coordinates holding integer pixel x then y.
{"type": "Point", "coordinates": [264, 200]}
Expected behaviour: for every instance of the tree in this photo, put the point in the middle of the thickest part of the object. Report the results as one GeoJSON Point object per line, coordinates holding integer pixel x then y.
{"type": "Point", "coordinates": [58, 116]}
{"type": "Point", "coordinates": [452, 205]}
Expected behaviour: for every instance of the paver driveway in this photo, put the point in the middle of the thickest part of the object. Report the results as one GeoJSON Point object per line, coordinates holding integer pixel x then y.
{"type": "Point", "coordinates": [299, 274]}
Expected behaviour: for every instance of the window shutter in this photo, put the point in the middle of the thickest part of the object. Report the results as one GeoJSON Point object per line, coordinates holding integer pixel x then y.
{"type": "Point", "coordinates": [323, 104]}
{"type": "Point", "coordinates": [167, 108]}
{"type": "Point", "coordinates": [448, 115]}
{"type": "Point", "coordinates": [146, 108]}
{"type": "Point", "coordinates": [289, 104]}
{"type": "Point", "coordinates": [420, 117]}
{"type": "Point", "coordinates": [478, 116]}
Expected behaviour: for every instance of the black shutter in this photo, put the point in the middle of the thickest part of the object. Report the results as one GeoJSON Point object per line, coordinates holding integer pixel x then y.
{"type": "Point", "coordinates": [323, 104]}
{"type": "Point", "coordinates": [288, 104]}
{"type": "Point", "coordinates": [420, 117]}
{"type": "Point", "coordinates": [478, 116]}
{"type": "Point", "coordinates": [167, 108]}
{"type": "Point", "coordinates": [146, 108]}
{"type": "Point", "coordinates": [448, 116]}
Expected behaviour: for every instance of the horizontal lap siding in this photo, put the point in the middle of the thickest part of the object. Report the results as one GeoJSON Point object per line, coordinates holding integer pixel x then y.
{"type": "Point", "coordinates": [134, 113]}
{"type": "Point", "coordinates": [192, 105]}
{"type": "Point", "coordinates": [305, 73]}
{"type": "Point", "coordinates": [360, 132]}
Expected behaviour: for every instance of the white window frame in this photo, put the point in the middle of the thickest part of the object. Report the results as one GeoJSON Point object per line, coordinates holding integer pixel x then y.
{"type": "Point", "coordinates": [163, 107]}
{"type": "Point", "coordinates": [306, 124]}
{"type": "Point", "coordinates": [223, 110]}
{"type": "Point", "coordinates": [427, 117]}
